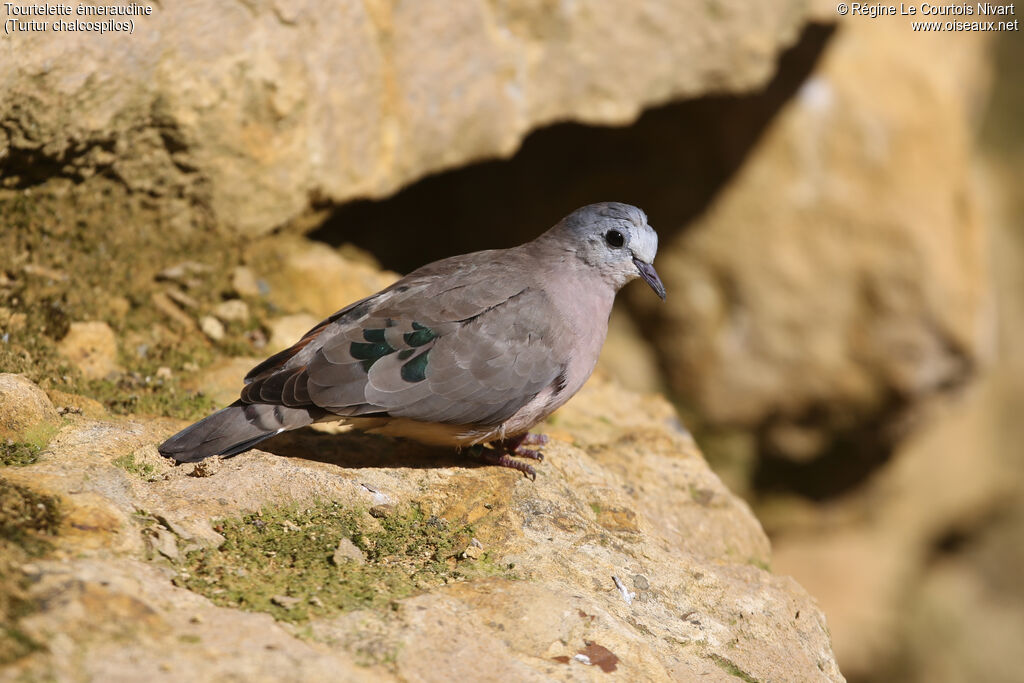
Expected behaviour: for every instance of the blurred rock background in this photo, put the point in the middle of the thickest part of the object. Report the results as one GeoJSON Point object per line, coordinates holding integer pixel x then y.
{"type": "Point", "coordinates": [838, 204]}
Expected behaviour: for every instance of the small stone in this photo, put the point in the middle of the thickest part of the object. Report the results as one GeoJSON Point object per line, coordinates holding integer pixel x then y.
{"type": "Point", "coordinates": [640, 582]}
{"type": "Point", "coordinates": [472, 552]}
{"type": "Point", "coordinates": [92, 348]}
{"type": "Point", "coordinates": [382, 511]}
{"type": "Point", "coordinates": [288, 329]}
{"type": "Point", "coordinates": [164, 372]}
{"type": "Point", "coordinates": [163, 303]}
{"type": "Point", "coordinates": [205, 468]}
{"type": "Point", "coordinates": [285, 601]}
{"type": "Point", "coordinates": [244, 282]}
{"type": "Point", "coordinates": [119, 306]}
{"type": "Point", "coordinates": [23, 406]}
{"type": "Point", "coordinates": [51, 274]}
{"type": "Point", "coordinates": [347, 551]}
{"type": "Point", "coordinates": [232, 310]}
{"type": "Point", "coordinates": [182, 298]}
{"type": "Point", "coordinates": [166, 543]}
{"type": "Point", "coordinates": [183, 272]}
{"type": "Point", "coordinates": [212, 327]}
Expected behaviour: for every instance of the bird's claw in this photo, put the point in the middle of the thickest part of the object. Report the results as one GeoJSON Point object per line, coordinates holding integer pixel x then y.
{"type": "Point", "coordinates": [502, 452]}
{"type": "Point", "coordinates": [506, 460]}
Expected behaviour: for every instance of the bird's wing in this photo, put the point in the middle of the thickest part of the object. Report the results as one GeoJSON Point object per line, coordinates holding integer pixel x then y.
{"type": "Point", "coordinates": [463, 341]}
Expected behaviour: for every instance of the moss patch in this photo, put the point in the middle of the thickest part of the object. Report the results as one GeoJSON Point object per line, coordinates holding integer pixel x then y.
{"type": "Point", "coordinates": [26, 451]}
{"type": "Point", "coordinates": [295, 563]}
{"type": "Point", "coordinates": [26, 520]}
{"type": "Point", "coordinates": [729, 667]}
{"type": "Point", "coordinates": [128, 463]}
{"type": "Point", "coordinates": [57, 266]}
{"type": "Point", "coordinates": [18, 453]}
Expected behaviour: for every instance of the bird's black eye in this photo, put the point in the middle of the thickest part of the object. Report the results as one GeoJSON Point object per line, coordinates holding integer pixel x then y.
{"type": "Point", "coordinates": [614, 238]}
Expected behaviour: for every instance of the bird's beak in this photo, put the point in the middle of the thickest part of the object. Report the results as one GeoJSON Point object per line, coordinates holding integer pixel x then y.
{"type": "Point", "coordinates": [650, 276]}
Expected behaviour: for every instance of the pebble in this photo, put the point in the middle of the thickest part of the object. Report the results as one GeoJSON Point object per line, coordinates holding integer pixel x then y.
{"type": "Point", "coordinates": [92, 347]}
{"type": "Point", "coordinates": [211, 327]}
{"type": "Point", "coordinates": [244, 282]}
{"type": "Point", "coordinates": [232, 310]}
{"type": "Point", "coordinates": [285, 601]}
{"type": "Point", "coordinates": [347, 551]}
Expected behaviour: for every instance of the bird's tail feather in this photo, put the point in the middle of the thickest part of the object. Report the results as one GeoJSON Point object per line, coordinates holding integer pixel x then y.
{"type": "Point", "coordinates": [233, 430]}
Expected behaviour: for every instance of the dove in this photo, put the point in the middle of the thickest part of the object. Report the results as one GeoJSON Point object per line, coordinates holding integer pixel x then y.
{"type": "Point", "coordinates": [470, 351]}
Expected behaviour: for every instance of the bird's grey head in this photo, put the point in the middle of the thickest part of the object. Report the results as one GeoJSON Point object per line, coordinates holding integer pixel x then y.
{"type": "Point", "coordinates": [615, 239]}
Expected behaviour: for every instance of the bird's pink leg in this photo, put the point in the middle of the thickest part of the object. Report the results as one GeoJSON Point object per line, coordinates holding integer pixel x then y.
{"type": "Point", "coordinates": [501, 452]}
{"type": "Point", "coordinates": [518, 445]}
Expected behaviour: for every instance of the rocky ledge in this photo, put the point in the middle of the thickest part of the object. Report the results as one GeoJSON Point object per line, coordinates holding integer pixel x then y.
{"type": "Point", "coordinates": [351, 557]}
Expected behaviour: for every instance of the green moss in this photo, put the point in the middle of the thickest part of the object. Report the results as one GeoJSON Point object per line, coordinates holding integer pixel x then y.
{"type": "Point", "coordinates": [281, 561]}
{"type": "Point", "coordinates": [128, 463]}
{"type": "Point", "coordinates": [26, 451]}
{"type": "Point", "coordinates": [59, 267]}
{"type": "Point", "coordinates": [27, 519]}
{"type": "Point", "coordinates": [759, 563]}
{"type": "Point", "coordinates": [18, 454]}
{"type": "Point", "coordinates": [729, 667]}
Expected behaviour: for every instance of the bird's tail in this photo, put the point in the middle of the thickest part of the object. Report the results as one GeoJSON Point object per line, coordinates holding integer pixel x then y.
{"type": "Point", "coordinates": [233, 430]}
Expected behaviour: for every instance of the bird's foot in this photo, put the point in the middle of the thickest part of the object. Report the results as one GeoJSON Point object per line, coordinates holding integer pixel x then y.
{"type": "Point", "coordinates": [505, 460]}
{"type": "Point", "coordinates": [518, 445]}
{"type": "Point", "coordinates": [501, 452]}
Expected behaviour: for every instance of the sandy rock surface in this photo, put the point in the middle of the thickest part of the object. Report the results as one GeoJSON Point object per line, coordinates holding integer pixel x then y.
{"type": "Point", "coordinates": [256, 111]}
{"type": "Point", "coordinates": [846, 262]}
{"type": "Point", "coordinates": [23, 406]}
{"type": "Point", "coordinates": [624, 495]}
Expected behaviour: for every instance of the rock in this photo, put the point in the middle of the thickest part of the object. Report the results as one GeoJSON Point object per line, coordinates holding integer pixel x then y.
{"type": "Point", "coordinates": [165, 305]}
{"type": "Point", "coordinates": [628, 357]}
{"type": "Point", "coordinates": [243, 282]}
{"type": "Point", "coordinates": [181, 298]}
{"type": "Point", "coordinates": [701, 607]}
{"type": "Point", "coordinates": [285, 601]}
{"type": "Point", "coordinates": [92, 348]}
{"type": "Point", "coordinates": [310, 277]}
{"type": "Point", "coordinates": [79, 405]}
{"type": "Point", "coordinates": [231, 311]}
{"type": "Point", "coordinates": [166, 543]}
{"type": "Point", "coordinates": [347, 551]}
{"type": "Point", "coordinates": [183, 273]}
{"type": "Point", "coordinates": [24, 408]}
{"type": "Point", "coordinates": [421, 91]}
{"type": "Point", "coordinates": [223, 380]}
{"type": "Point", "coordinates": [205, 468]}
{"type": "Point", "coordinates": [211, 327]}
{"type": "Point", "coordinates": [856, 285]}
{"type": "Point", "coordinates": [288, 329]}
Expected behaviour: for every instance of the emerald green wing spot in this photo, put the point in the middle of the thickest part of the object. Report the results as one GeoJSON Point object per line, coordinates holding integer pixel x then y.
{"type": "Point", "coordinates": [375, 336]}
{"type": "Point", "coordinates": [416, 369]}
{"type": "Point", "coordinates": [420, 336]}
{"type": "Point", "coordinates": [405, 353]}
{"type": "Point", "coordinates": [369, 353]}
